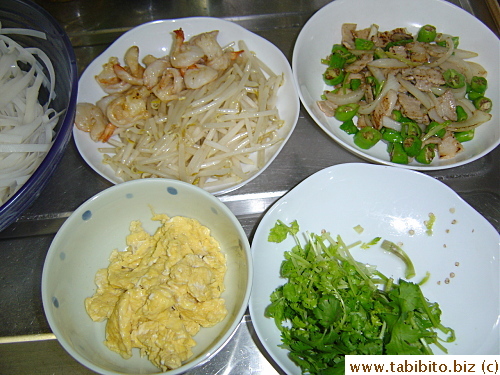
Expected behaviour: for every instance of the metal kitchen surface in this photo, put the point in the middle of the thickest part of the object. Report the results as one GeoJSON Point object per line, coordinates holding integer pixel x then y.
{"type": "Point", "coordinates": [26, 343]}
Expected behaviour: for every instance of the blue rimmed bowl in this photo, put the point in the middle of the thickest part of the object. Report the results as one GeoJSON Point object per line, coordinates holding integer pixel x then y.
{"type": "Point", "coordinates": [85, 241]}
{"type": "Point", "coordinates": [28, 15]}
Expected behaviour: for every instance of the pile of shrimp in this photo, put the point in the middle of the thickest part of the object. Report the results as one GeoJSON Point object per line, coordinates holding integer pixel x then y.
{"type": "Point", "coordinates": [202, 114]}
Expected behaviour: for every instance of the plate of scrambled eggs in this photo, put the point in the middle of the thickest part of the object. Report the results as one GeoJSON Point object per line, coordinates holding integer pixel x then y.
{"type": "Point", "coordinates": [144, 286]}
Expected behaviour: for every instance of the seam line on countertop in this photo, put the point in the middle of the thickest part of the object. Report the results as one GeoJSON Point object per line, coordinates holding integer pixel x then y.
{"type": "Point", "coordinates": [27, 338]}
{"type": "Point", "coordinates": [232, 19]}
{"type": "Point", "coordinates": [252, 196]}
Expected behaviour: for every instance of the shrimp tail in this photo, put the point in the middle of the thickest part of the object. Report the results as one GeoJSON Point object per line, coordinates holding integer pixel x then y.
{"type": "Point", "coordinates": [107, 133]}
{"type": "Point", "coordinates": [179, 36]}
{"type": "Point", "coordinates": [235, 54]}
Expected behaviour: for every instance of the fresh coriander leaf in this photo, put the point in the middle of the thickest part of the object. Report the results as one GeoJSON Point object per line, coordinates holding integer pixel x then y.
{"type": "Point", "coordinates": [280, 231]}
{"type": "Point", "coordinates": [367, 245]}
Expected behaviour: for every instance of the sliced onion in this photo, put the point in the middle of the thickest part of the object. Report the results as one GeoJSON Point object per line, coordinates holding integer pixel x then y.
{"type": "Point", "coordinates": [463, 54]}
{"type": "Point", "coordinates": [477, 118]}
{"type": "Point", "coordinates": [477, 69]}
{"type": "Point", "coordinates": [420, 95]}
{"type": "Point", "coordinates": [388, 63]}
{"type": "Point", "coordinates": [390, 123]}
{"type": "Point", "coordinates": [458, 64]}
{"type": "Point", "coordinates": [391, 84]}
{"type": "Point", "coordinates": [451, 47]}
{"type": "Point", "coordinates": [341, 99]}
{"type": "Point", "coordinates": [434, 115]}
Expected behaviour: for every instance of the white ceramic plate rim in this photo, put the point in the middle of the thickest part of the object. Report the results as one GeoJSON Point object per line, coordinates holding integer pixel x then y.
{"type": "Point", "coordinates": [288, 102]}
{"type": "Point", "coordinates": [301, 203]}
{"type": "Point", "coordinates": [403, 13]}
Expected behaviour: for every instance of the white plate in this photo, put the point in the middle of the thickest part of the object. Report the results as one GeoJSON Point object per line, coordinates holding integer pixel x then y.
{"type": "Point", "coordinates": [389, 202]}
{"type": "Point", "coordinates": [323, 30]}
{"type": "Point", "coordinates": [156, 38]}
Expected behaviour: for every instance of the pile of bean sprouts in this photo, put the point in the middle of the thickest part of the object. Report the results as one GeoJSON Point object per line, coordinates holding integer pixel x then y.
{"type": "Point", "coordinates": [26, 125]}
{"type": "Point", "coordinates": [214, 137]}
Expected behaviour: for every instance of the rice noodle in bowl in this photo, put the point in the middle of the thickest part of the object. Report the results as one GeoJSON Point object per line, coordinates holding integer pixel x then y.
{"type": "Point", "coordinates": [26, 124]}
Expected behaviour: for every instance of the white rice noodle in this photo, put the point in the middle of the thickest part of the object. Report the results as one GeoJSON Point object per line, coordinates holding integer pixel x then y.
{"type": "Point", "coordinates": [26, 125]}
{"type": "Point", "coordinates": [214, 137]}
{"type": "Point", "coordinates": [391, 84]}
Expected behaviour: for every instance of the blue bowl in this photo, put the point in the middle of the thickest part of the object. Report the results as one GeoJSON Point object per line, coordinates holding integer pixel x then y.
{"type": "Point", "coordinates": [57, 46]}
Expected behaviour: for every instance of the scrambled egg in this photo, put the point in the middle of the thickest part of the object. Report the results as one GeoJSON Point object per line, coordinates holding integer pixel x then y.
{"type": "Point", "coordinates": [159, 291]}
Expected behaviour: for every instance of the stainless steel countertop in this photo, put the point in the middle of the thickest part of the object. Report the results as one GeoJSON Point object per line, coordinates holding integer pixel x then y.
{"type": "Point", "coordinates": [26, 342]}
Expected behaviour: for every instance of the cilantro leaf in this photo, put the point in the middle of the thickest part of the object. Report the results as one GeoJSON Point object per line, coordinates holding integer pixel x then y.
{"type": "Point", "coordinates": [330, 305]}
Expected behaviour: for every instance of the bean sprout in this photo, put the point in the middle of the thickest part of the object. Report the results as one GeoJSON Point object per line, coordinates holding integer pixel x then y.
{"type": "Point", "coordinates": [213, 136]}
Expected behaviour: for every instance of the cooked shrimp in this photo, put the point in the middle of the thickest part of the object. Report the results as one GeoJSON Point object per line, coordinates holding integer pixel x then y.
{"type": "Point", "coordinates": [91, 119]}
{"type": "Point", "coordinates": [124, 74]}
{"type": "Point", "coordinates": [199, 75]}
{"type": "Point", "coordinates": [170, 85]}
{"type": "Point", "coordinates": [129, 107]}
{"type": "Point", "coordinates": [131, 59]}
{"type": "Point", "coordinates": [184, 54]}
{"type": "Point", "coordinates": [154, 71]}
{"type": "Point", "coordinates": [208, 43]}
{"type": "Point", "coordinates": [215, 56]}
{"type": "Point", "coordinates": [109, 81]}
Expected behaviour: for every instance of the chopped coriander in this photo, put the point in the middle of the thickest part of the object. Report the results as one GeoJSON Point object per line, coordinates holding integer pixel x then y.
{"type": "Point", "coordinates": [331, 306]}
{"type": "Point", "coordinates": [359, 229]}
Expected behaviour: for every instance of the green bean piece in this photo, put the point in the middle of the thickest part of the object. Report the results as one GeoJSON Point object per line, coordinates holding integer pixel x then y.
{"type": "Point", "coordinates": [397, 43]}
{"type": "Point", "coordinates": [398, 116]}
{"type": "Point", "coordinates": [336, 61]}
{"type": "Point", "coordinates": [461, 114]}
{"type": "Point", "coordinates": [483, 104]}
{"type": "Point", "coordinates": [333, 76]}
{"type": "Point", "coordinates": [339, 48]}
{"type": "Point", "coordinates": [355, 84]}
{"type": "Point", "coordinates": [346, 112]}
{"type": "Point", "coordinates": [412, 145]}
{"type": "Point", "coordinates": [427, 34]}
{"type": "Point", "coordinates": [363, 44]}
{"type": "Point", "coordinates": [454, 79]}
{"type": "Point", "coordinates": [349, 127]}
{"type": "Point", "coordinates": [464, 136]}
{"type": "Point", "coordinates": [426, 154]}
{"type": "Point", "coordinates": [473, 95]}
{"type": "Point", "coordinates": [397, 153]}
{"type": "Point", "coordinates": [367, 137]}
{"type": "Point", "coordinates": [391, 135]}
{"type": "Point", "coordinates": [479, 84]}
{"type": "Point", "coordinates": [410, 129]}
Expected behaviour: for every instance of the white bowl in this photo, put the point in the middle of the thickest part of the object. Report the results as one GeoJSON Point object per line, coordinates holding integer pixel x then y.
{"type": "Point", "coordinates": [156, 38]}
{"type": "Point", "coordinates": [323, 30]}
{"type": "Point", "coordinates": [389, 202]}
{"type": "Point", "coordinates": [85, 241]}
